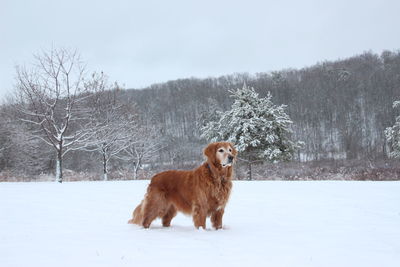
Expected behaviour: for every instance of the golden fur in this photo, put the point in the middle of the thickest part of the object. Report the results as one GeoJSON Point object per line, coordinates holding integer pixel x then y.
{"type": "Point", "coordinates": [201, 192]}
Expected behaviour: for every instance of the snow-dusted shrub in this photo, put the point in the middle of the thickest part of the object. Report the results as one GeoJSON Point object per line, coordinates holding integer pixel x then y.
{"type": "Point", "coordinates": [393, 135]}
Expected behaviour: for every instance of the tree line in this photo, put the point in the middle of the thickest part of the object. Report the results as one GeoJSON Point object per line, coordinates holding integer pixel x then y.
{"type": "Point", "coordinates": [339, 109]}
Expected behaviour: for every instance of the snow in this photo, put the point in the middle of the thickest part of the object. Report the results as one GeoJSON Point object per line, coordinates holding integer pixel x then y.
{"type": "Point", "coordinates": [266, 224]}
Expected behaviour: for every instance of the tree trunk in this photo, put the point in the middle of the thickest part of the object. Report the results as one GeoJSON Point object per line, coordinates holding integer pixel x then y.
{"type": "Point", "coordinates": [59, 174]}
{"type": "Point", "coordinates": [385, 155]}
{"type": "Point", "coordinates": [105, 171]}
{"type": "Point", "coordinates": [249, 174]}
{"type": "Point", "coordinates": [135, 170]}
{"type": "Point", "coordinates": [136, 166]}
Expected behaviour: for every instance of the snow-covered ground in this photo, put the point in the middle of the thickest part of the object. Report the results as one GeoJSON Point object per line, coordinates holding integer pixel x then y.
{"type": "Point", "coordinates": [266, 224]}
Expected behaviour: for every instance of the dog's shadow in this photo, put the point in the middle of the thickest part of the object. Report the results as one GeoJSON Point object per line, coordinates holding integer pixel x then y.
{"type": "Point", "coordinates": [180, 228]}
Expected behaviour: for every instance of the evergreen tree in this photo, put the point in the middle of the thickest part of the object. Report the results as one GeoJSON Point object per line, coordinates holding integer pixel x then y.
{"type": "Point", "coordinates": [259, 129]}
{"type": "Point", "coordinates": [393, 135]}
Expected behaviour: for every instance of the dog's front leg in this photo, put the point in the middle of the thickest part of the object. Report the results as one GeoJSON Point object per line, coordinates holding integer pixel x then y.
{"type": "Point", "coordinates": [199, 216]}
{"type": "Point", "coordinates": [216, 218]}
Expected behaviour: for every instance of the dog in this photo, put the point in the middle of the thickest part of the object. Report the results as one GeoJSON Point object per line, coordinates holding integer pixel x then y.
{"type": "Point", "coordinates": [202, 192]}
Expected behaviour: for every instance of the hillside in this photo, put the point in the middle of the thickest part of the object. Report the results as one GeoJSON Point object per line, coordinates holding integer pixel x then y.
{"type": "Point", "coordinates": [340, 109]}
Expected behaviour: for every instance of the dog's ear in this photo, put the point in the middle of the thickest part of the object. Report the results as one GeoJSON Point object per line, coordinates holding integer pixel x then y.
{"type": "Point", "coordinates": [234, 151]}
{"type": "Point", "coordinates": [209, 152]}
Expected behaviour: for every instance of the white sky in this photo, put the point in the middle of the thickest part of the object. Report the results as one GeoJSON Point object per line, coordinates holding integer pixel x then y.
{"type": "Point", "coordinates": [138, 43]}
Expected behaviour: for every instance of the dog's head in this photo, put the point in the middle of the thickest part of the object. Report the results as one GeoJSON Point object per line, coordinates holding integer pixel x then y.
{"type": "Point", "coordinates": [221, 154]}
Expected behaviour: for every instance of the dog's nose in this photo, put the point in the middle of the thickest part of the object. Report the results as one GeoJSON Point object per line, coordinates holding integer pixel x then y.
{"type": "Point", "coordinates": [230, 158]}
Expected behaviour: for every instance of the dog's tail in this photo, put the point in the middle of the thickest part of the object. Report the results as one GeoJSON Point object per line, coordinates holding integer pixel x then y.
{"type": "Point", "coordinates": [137, 216]}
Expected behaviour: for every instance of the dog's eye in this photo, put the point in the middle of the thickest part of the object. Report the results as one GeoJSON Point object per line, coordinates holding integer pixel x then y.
{"type": "Point", "coordinates": [230, 150]}
{"type": "Point", "coordinates": [221, 150]}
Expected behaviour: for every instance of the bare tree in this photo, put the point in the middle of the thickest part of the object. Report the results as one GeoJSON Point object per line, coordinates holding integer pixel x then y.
{"type": "Point", "coordinates": [50, 96]}
{"type": "Point", "coordinates": [111, 120]}
{"type": "Point", "coordinates": [141, 147]}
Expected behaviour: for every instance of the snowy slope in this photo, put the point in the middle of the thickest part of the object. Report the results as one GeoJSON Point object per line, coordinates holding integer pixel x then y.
{"type": "Point", "coordinates": [266, 224]}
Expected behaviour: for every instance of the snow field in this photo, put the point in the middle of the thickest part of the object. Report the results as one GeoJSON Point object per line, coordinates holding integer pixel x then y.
{"type": "Point", "coordinates": [265, 224]}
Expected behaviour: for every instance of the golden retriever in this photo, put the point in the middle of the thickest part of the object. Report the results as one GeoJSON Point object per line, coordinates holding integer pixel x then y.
{"type": "Point", "coordinates": [201, 192]}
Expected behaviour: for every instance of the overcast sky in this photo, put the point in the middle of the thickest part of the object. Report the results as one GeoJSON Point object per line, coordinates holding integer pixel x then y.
{"type": "Point", "coordinates": [138, 43]}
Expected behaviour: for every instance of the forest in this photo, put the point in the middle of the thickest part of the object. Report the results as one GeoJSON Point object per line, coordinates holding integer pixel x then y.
{"type": "Point", "coordinates": [340, 110]}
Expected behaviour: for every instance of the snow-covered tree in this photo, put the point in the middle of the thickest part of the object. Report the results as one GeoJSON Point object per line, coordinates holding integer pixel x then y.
{"type": "Point", "coordinates": [393, 135]}
{"type": "Point", "coordinates": [209, 113]}
{"type": "Point", "coordinates": [4, 142]}
{"type": "Point", "coordinates": [259, 129]}
{"type": "Point", "coordinates": [50, 96]}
